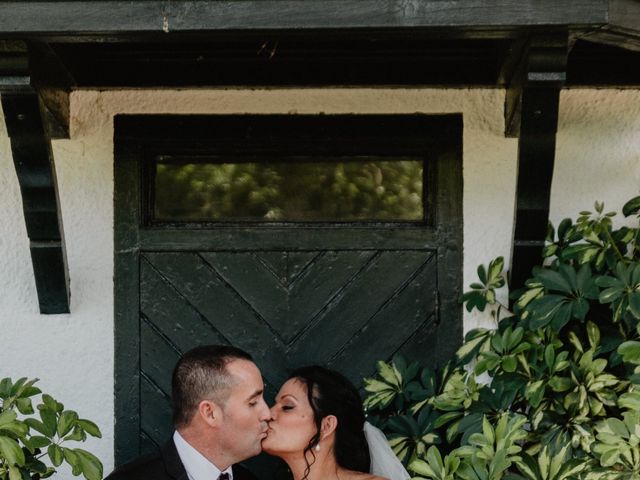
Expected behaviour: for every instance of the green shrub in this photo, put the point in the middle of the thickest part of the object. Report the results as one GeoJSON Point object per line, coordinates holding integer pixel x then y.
{"type": "Point", "coordinates": [27, 441]}
{"type": "Point", "coordinates": [551, 393]}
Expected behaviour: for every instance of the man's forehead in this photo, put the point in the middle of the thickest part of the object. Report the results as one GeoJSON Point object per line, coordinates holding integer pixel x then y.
{"type": "Point", "coordinates": [244, 371]}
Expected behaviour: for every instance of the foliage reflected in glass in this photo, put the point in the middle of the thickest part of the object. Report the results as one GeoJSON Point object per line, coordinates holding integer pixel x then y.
{"type": "Point", "coordinates": [354, 190]}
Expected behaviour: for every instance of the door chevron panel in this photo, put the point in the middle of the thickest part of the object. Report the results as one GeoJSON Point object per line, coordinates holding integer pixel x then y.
{"type": "Point", "coordinates": [170, 313]}
{"type": "Point", "coordinates": [411, 307]}
{"type": "Point", "coordinates": [156, 406]}
{"type": "Point", "coordinates": [209, 294]}
{"type": "Point", "coordinates": [344, 308]}
{"type": "Point", "coordinates": [288, 310]}
{"type": "Point", "coordinates": [358, 301]}
{"type": "Point", "coordinates": [158, 356]}
{"type": "Point", "coordinates": [286, 266]}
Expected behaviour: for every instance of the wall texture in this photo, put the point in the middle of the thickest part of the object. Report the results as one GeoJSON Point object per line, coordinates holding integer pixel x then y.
{"type": "Point", "coordinates": [598, 158]}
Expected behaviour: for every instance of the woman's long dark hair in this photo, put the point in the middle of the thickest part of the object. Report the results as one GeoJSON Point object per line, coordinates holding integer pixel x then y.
{"type": "Point", "coordinates": [330, 393]}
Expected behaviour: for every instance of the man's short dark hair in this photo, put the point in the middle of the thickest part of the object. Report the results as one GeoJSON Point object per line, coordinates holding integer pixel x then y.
{"type": "Point", "coordinates": [201, 374]}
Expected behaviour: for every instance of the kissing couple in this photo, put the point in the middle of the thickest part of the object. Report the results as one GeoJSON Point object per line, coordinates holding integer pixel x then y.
{"type": "Point", "coordinates": [317, 425]}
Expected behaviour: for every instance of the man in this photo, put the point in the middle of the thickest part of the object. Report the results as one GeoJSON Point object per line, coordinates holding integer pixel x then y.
{"type": "Point", "coordinates": [220, 418]}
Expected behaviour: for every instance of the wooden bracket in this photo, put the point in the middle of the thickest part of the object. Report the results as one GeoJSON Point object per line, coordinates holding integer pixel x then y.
{"type": "Point", "coordinates": [33, 160]}
{"type": "Point", "coordinates": [511, 75]}
{"type": "Point", "coordinates": [52, 81]}
{"type": "Point", "coordinates": [35, 68]}
{"type": "Point", "coordinates": [543, 76]}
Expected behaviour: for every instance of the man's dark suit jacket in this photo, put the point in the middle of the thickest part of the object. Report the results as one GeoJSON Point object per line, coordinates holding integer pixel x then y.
{"type": "Point", "coordinates": [165, 465]}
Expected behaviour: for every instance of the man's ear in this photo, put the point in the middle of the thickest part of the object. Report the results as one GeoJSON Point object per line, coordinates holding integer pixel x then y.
{"type": "Point", "coordinates": [328, 426]}
{"type": "Point", "coordinates": [209, 412]}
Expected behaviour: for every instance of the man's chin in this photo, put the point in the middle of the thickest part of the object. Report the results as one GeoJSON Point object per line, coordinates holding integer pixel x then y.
{"type": "Point", "coordinates": [265, 446]}
{"type": "Point", "coordinates": [258, 450]}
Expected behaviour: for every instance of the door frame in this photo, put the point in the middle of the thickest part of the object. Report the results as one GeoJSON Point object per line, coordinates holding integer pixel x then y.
{"type": "Point", "coordinates": [137, 135]}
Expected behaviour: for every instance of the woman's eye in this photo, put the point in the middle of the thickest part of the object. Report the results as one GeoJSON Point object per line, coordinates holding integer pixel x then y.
{"type": "Point", "coordinates": [253, 404]}
{"type": "Point", "coordinates": [287, 407]}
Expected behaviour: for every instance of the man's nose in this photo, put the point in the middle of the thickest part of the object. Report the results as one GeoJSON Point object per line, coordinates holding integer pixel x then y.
{"type": "Point", "coordinates": [266, 413]}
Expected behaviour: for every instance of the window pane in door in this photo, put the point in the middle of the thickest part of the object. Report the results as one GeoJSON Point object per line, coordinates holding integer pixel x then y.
{"type": "Point", "coordinates": [295, 190]}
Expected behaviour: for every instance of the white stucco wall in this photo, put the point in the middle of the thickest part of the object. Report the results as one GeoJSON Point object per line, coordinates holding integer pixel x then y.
{"type": "Point", "coordinates": [598, 158]}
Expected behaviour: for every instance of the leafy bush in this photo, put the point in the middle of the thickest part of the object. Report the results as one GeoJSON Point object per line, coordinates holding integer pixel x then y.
{"type": "Point", "coordinates": [561, 399]}
{"type": "Point", "coordinates": [23, 436]}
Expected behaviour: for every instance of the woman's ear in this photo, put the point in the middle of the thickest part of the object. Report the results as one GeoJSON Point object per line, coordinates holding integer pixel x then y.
{"type": "Point", "coordinates": [328, 426]}
{"type": "Point", "coordinates": [209, 412]}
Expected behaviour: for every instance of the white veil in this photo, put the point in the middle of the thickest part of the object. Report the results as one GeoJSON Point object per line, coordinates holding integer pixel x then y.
{"type": "Point", "coordinates": [384, 462]}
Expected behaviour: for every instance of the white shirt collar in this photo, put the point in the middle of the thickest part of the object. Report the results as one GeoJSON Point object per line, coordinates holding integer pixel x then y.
{"type": "Point", "coordinates": [196, 464]}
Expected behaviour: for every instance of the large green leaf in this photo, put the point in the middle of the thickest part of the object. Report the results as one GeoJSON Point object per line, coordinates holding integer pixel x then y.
{"type": "Point", "coordinates": [17, 386]}
{"type": "Point", "coordinates": [630, 351]}
{"type": "Point", "coordinates": [390, 374]}
{"type": "Point", "coordinates": [631, 207]}
{"type": "Point", "coordinates": [474, 342]}
{"type": "Point", "coordinates": [49, 420]}
{"type": "Point", "coordinates": [38, 441]}
{"type": "Point", "coordinates": [583, 252]}
{"type": "Point", "coordinates": [71, 457]}
{"type": "Point", "coordinates": [91, 466]}
{"type": "Point", "coordinates": [10, 450]}
{"type": "Point", "coordinates": [561, 316]}
{"type": "Point", "coordinates": [24, 388]}
{"type": "Point", "coordinates": [66, 422]}
{"type": "Point", "coordinates": [593, 334]}
{"type": "Point", "coordinates": [7, 417]}
{"type": "Point", "coordinates": [38, 426]}
{"type": "Point", "coordinates": [422, 468]}
{"type": "Point", "coordinates": [630, 400]}
{"type": "Point", "coordinates": [52, 404]}
{"type": "Point", "coordinates": [5, 387]}
{"type": "Point", "coordinates": [554, 281]}
{"type": "Point", "coordinates": [24, 405]}
{"type": "Point", "coordinates": [16, 428]}
{"type": "Point", "coordinates": [544, 309]}
{"type": "Point", "coordinates": [55, 454]}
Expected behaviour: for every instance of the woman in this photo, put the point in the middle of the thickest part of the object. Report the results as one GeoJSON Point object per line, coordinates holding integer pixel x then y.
{"type": "Point", "coordinates": [317, 429]}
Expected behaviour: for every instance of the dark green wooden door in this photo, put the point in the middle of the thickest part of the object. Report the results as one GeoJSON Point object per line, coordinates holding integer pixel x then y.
{"type": "Point", "coordinates": [339, 295]}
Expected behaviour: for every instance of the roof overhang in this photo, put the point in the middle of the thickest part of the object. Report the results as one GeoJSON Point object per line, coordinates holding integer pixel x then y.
{"type": "Point", "coordinates": [196, 43]}
{"type": "Point", "coordinates": [114, 17]}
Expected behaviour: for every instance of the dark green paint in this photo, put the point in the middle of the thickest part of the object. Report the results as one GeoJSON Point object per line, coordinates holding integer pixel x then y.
{"type": "Point", "coordinates": [285, 307]}
{"type": "Point", "coordinates": [159, 17]}
{"type": "Point", "coordinates": [300, 238]}
{"type": "Point", "coordinates": [409, 308]}
{"type": "Point", "coordinates": [342, 295]}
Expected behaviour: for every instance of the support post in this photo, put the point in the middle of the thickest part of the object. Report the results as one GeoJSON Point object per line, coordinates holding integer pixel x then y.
{"type": "Point", "coordinates": [543, 77]}
{"type": "Point", "coordinates": [33, 160]}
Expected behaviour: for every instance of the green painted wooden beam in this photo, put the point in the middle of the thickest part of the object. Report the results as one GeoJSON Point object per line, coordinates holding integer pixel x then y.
{"type": "Point", "coordinates": [116, 17]}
